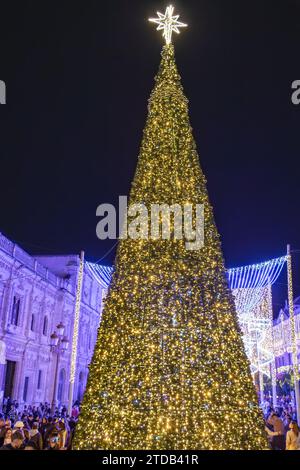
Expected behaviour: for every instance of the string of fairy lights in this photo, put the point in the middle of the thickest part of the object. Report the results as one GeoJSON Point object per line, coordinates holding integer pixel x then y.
{"type": "Point", "coordinates": [76, 329]}
{"type": "Point", "coordinates": [248, 282]}
{"type": "Point", "coordinates": [169, 370]}
{"type": "Point", "coordinates": [251, 286]}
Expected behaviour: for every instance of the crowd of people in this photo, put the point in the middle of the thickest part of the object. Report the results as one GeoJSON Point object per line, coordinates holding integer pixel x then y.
{"type": "Point", "coordinates": [37, 427]}
{"type": "Point", "coordinates": [44, 428]}
{"type": "Point", "coordinates": [281, 423]}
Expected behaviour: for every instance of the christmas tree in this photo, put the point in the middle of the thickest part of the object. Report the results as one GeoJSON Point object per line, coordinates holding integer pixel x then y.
{"type": "Point", "coordinates": [169, 369]}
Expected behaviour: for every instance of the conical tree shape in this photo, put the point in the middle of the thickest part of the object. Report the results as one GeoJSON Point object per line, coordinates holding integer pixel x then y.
{"type": "Point", "coordinates": [169, 369]}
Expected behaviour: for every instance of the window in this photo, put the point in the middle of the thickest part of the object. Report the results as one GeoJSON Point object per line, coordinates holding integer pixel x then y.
{"type": "Point", "coordinates": [32, 322]}
{"type": "Point", "coordinates": [25, 388]}
{"type": "Point", "coordinates": [15, 311]}
{"type": "Point", "coordinates": [80, 386]}
{"type": "Point", "coordinates": [45, 326]}
{"type": "Point", "coordinates": [61, 386]}
{"type": "Point", "coordinates": [39, 383]}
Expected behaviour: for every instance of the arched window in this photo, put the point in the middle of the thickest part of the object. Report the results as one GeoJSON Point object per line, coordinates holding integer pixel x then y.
{"type": "Point", "coordinates": [15, 313]}
{"type": "Point", "coordinates": [32, 322]}
{"type": "Point", "coordinates": [39, 383]}
{"type": "Point", "coordinates": [45, 326]}
{"type": "Point", "coordinates": [80, 386]}
{"type": "Point", "coordinates": [61, 386]}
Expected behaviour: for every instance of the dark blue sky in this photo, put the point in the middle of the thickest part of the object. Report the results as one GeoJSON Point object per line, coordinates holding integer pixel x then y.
{"type": "Point", "coordinates": [79, 74]}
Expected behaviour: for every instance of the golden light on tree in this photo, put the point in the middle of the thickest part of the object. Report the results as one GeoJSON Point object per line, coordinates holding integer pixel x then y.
{"type": "Point", "coordinates": [169, 369]}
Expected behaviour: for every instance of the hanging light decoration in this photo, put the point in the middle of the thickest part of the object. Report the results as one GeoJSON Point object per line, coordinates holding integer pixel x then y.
{"type": "Point", "coordinates": [250, 287]}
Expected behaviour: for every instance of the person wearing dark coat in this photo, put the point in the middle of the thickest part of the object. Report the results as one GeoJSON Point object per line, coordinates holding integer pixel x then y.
{"type": "Point", "coordinates": [31, 445]}
{"type": "Point", "coordinates": [54, 441]}
{"type": "Point", "coordinates": [16, 442]}
{"type": "Point", "coordinates": [2, 431]}
{"type": "Point", "coordinates": [35, 436]}
{"type": "Point", "coordinates": [43, 426]}
{"type": "Point", "coordinates": [49, 429]}
{"type": "Point", "coordinates": [278, 438]}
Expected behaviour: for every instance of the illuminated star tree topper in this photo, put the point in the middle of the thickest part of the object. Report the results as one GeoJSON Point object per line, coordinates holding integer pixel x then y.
{"type": "Point", "coordinates": [168, 22]}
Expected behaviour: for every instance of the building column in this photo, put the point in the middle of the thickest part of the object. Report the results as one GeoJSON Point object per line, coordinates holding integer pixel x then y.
{"type": "Point", "coordinates": [2, 378]}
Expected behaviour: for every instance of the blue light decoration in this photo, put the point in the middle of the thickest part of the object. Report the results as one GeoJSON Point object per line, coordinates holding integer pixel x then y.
{"type": "Point", "coordinates": [251, 287]}
{"type": "Point", "coordinates": [248, 282]}
{"type": "Point", "coordinates": [102, 274]}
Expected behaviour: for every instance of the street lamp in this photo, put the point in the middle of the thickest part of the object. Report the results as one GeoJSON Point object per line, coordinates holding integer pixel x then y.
{"type": "Point", "coordinates": [59, 345]}
{"type": "Point", "coordinates": [60, 329]}
{"type": "Point", "coordinates": [54, 340]}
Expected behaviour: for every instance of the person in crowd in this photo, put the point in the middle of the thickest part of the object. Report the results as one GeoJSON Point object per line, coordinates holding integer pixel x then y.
{"type": "Point", "coordinates": [12, 413]}
{"type": "Point", "coordinates": [54, 441]}
{"type": "Point", "coordinates": [75, 410]}
{"type": "Point", "coordinates": [35, 436]}
{"type": "Point", "coordinates": [26, 435]}
{"type": "Point", "coordinates": [2, 431]}
{"type": "Point", "coordinates": [286, 419]}
{"type": "Point", "coordinates": [30, 420]}
{"type": "Point", "coordinates": [4, 404]}
{"type": "Point", "coordinates": [39, 412]}
{"type": "Point", "coordinates": [19, 426]}
{"type": "Point", "coordinates": [16, 442]}
{"type": "Point", "coordinates": [31, 445]}
{"type": "Point", "coordinates": [72, 427]}
{"type": "Point", "coordinates": [43, 426]}
{"type": "Point", "coordinates": [7, 436]}
{"type": "Point", "coordinates": [293, 437]}
{"type": "Point", "coordinates": [278, 439]}
{"type": "Point", "coordinates": [24, 419]}
{"type": "Point", "coordinates": [26, 425]}
{"type": "Point", "coordinates": [7, 405]}
{"type": "Point", "coordinates": [50, 428]}
{"type": "Point", "coordinates": [7, 423]}
{"type": "Point", "coordinates": [63, 431]}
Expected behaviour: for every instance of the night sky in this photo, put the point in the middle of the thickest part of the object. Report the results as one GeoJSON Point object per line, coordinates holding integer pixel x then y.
{"type": "Point", "coordinates": [78, 77]}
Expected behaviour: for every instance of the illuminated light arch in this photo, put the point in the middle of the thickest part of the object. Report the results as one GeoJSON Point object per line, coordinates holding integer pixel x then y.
{"type": "Point", "coordinates": [250, 286]}
{"type": "Point", "coordinates": [248, 282]}
{"type": "Point", "coordinates": [102, 274]}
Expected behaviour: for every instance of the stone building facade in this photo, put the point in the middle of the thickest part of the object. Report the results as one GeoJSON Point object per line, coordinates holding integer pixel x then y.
{"type": "Point", "coordinates": [36, 294]}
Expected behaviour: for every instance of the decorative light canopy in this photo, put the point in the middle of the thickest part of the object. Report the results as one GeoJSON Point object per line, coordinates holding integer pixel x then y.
{"type": "Point", "coordinates": [251, 287]}
{"type": "Point", "coordinates": [102, 274]}
{"type": "Point", "coordinates": [168, 23]}
{"type": "Point", "coordinates": [248, 282]}
{"type": "Point", "coordinates": [253, 277]}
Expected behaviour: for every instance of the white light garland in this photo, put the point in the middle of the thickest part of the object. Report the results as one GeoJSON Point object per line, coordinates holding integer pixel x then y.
{"type": "Point", "coordinates": [76, 321]}
{"type": "Point", "coordinates": [102, 274]}
{"type": "Point", "coordinates": [251, 290]}
{"type": "Point", "coordinates": [248, 282]}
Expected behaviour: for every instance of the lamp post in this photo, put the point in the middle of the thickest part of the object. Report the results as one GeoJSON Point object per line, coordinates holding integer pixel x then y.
{"type": "Point", "coordinates": [293, 332]}
{"type": "Point", "coordinates": [273, 363]}
{"type": "Point", "coordinates": [58, 344]}
{"type": "Point", "coordinates": [75, 332]}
